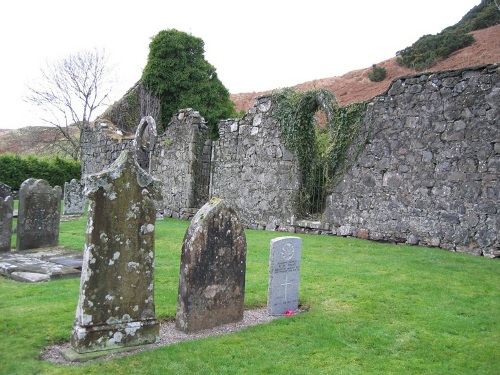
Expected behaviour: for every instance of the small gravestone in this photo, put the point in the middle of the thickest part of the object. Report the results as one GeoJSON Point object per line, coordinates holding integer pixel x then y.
{"type": "Point", "coordinates": [116, 307]}
{"type": "Point", "coordinates": [6, 213]}
{"type": "Point", "coordinates": [212, 272]}
{"type": "Point", "coordinates": [39, 215]}
{"type": "Point", "coordinates": [5, 190]}
{"type": "Point", "coordinates": [74, 200]}
{"type": "Point", "coordinates": [284, 275]}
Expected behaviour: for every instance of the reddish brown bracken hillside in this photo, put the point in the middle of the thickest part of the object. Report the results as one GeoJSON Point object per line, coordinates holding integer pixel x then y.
{"type": "Point", "coordinates": [355, 86]}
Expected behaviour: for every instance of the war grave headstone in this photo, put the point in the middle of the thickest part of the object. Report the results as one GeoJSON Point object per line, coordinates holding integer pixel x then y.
{"type": "Point", "coordinates": [212, 271]}
{"type": "Point", "coordinates": [284, 275]}
{"type": "Point", "coordinates": [39, 215]}
{"type": "Point", "coordinates": [116, 308]}
{"type": "Point", "coordinates": [74, 200]}
{"type": "Point", "coordinates": [6, 214]}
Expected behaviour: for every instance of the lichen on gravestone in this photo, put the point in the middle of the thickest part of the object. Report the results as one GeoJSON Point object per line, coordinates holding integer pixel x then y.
{"type": "Point", "coordinates": [39, 214]}
{"type": "Point", "coordinates": [212, 271]}
{"type": "Point", "coordinates": [116, 306]}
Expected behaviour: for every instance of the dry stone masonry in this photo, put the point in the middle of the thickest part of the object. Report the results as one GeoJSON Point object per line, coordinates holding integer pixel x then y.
{"type": "Point", "coordinates": [428, 174]}
{"type": "Point", "coordinates": [39, 215]}
{"type": "Point", "coordinates": [116, 306]}
{"type": "Point", "coordinates": [212, 272]}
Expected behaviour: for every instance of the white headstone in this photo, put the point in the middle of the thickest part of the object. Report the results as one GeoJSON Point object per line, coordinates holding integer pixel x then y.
{"type": "Point", "coordinates": [284, 275]}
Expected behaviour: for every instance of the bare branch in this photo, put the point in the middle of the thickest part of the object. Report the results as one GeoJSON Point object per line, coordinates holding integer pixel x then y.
{"type": "Point", "coordinates": [69, 92]}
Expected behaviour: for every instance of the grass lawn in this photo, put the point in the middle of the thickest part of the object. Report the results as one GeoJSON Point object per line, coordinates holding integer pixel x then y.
{"type": "Point", "coordinates": [374, 309]}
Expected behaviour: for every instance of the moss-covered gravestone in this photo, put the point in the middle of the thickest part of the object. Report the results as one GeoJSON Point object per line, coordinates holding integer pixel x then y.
{"type": "Point", "coordinates": [39, 215]}
{"type": "Point", "coordinates": [212, 272]}
{"type": "Point", "coordinates": [116, 307]}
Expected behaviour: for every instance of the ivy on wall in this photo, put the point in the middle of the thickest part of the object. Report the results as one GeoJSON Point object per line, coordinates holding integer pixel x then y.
{"type": "Point", "coordinates": [323, 154]}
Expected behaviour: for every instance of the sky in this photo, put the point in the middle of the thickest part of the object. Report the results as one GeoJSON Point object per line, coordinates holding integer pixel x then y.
{"type": "Point", "coordinates": [256, 45]}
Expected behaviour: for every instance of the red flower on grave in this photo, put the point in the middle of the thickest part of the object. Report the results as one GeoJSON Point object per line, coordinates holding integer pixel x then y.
{"type": "Point", "coordinates": [289, 313]}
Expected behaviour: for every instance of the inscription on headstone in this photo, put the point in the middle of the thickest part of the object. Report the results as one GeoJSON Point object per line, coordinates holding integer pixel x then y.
{"type": "Point", "coordinates": [116, 307]}
{"type": "Point", "coordinates": [39, 215]}
{"type": "Point", "coordinates": [6, 213]}
{"type": "Point", "coordinates": [284, 275]}
{"type": "Point", "coordinates": [212, 272]}
{"type": "Point", "coordinates": [74, 200]}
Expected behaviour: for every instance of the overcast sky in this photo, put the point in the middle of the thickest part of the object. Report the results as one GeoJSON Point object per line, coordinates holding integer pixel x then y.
{"type": "Point", "coordinates": [254, 45]}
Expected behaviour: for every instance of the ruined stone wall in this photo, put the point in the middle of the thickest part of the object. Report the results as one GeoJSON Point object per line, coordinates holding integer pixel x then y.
{"type": "Point", "coordinates": [102, 144]}
{"type": "Point", "coordinates": [429, 174]}
{"type": "Point", "coordinates": [176, 162]}
{"type": "Point", "coordinates": [253, 170]}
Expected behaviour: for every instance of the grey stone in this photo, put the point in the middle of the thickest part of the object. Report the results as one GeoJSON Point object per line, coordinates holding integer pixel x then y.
{"type": "Point", "coordinates": [116, 306]}
{"type": "Point", "coordinates": [41, 261]}
{"type": "Point", "coordinates": [39, 215]}
{"type": "Point", "coordinates": [74, 200]}
{"type": "Point", "coordinates": [284, 275]}
{"type": "Point", "coordinates": [6, 214]}
{"type": "Point", "coordinates": [29, 277]}
{"type": "Point", "coordinates": [212, 272]}
{"type": "Point", "coordinates": [5, 190]}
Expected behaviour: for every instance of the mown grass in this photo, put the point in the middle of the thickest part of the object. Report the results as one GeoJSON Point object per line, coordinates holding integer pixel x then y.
{"type": "Point", "coordinates": [373, 309]}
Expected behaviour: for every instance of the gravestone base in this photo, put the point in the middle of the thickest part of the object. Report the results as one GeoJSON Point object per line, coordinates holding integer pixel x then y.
{"type": "Point", "coordinates": [114, 336]}
{"type": "Point", "coordinates": [69, 354]}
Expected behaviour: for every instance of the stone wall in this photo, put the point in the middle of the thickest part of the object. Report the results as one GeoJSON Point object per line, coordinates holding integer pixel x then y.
{"type": "Point", "coordinates": [253, 171]}
{"type": "Point", "coordinates": [177, 162]}
{"type": "Point", "coordinates": [430, 172]}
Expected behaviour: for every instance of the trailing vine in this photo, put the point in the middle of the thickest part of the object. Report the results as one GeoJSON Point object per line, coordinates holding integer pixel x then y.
{"type": "Point", "coordinates": [322, 154]}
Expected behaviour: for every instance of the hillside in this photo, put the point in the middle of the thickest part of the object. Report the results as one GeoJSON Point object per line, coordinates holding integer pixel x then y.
{"type": "Point", "coordinates": [355, 86]}
{"type": "Point", "coordinates": [351, 87]}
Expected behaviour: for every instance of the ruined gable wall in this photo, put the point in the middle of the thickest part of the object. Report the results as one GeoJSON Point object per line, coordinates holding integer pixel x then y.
{"type": "Point", "coordinates": [102, 144]}
{"type": "Point", "coordinates": [253, 170]}
{"type": "Point", "coordinates": [430, 172]}
{"type": "Point", "coordinates": [176, 163]}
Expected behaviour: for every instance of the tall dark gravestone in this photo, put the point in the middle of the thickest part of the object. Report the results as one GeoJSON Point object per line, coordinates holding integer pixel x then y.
{"type": "Point", "coordinates": [116, 307]}
{"type": "Point", "coordinates": [39, 215]}
{"type": "Point", "coordinates": [212, 272]}
{"type": "Point", "coordinates": [6, 213]}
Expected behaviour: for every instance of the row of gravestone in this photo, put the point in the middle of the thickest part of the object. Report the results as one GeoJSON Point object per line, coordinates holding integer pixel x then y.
{"type": "Point", "coordinates": [38, 213]}
{"type": "Point", "coordinates": [116, 307]}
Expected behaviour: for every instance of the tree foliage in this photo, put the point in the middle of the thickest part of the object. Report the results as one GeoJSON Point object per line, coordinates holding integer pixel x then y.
{"type": "Point", "coordinates": [425, 51]}
{"type": "Point", "coordinates": [69, 92]}
{"type": "Point", "coordinates": [179, 75]}
{"type": "Point", "coordinates": [14, 170]}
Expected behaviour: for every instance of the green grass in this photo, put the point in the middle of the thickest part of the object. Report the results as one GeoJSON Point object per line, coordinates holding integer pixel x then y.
{"type": "Point", "coordinates": [374, 309]}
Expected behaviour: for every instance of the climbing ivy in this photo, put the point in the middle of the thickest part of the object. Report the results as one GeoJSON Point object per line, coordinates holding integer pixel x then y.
{"type": "Point", "coordinates": [322, 154]}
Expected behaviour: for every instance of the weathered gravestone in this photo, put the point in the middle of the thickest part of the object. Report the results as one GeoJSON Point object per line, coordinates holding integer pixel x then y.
{"type": "Point", "coordinates": [116, 307]}
{"type": "Point", "coordinates": [6, 213]}
{"type": "Point", "coordinates": [212, 272]}
{"type": "Point", "coordinates": [39, 215]}
{"type": "Point", "coordinates": [74, 200]}
{"type": "Point", "coordinates": [5, 190]}
{"type": "Point", "coordinates": [284, 275]}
